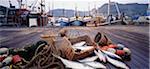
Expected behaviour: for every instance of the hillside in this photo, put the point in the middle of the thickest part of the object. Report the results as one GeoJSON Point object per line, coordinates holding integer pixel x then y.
{"type": "Point", "coordinates": [129, 9]}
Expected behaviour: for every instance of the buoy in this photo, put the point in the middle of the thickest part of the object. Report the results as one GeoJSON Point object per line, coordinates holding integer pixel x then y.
{"type": "Point", "coordinates": [104, 48]}
{"type": "Point", "coordinates": [3, 51]}
{"type": "Point", "coordinates": [120, 52]}
{"type": "Point", "coordinates": [120, 45]}
{"type": "Point", "coordinates": [127, 51]}
{"type": "Point", "coordinates": [4, 55]}
{"type": "Point", "coordinates": [112, 46]}
{"type": "Point", "coordinates": [1, 58]}
{"type": "Point", "coordinates": [1, 64]}
{"type": "Point", "coordinates": [5, 67]}
{"type": "Point", "coordinates": [112, 50]}
{"type": "Point", "coordinates": [16, 59]}
{"type": "Point", "coordinates": [7, 60]}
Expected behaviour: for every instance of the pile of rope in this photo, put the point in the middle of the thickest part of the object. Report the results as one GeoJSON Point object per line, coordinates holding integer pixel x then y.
{"type": "Point", "coordinates": [43, 59]}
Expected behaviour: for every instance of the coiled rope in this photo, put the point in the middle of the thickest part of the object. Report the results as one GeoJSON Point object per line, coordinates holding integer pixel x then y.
{"type": "Point", "coordinates": [44, 58]}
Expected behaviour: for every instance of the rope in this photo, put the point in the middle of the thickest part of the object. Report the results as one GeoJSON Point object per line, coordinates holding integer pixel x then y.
{"type": "Point", "coordinates": [44, 58]}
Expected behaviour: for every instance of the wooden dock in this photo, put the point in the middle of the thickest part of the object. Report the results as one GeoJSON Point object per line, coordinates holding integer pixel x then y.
{"type": "Point", "coordinates": [135, 38]}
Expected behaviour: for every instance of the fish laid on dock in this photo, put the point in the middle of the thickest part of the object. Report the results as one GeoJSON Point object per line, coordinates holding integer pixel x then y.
{"type": "Point", "coordinates": [117, 63]}
{"type": "Point", "coordinates": [84, 47]}
{"type": "Point", "coordinates": [89, 59]}
{"type": "Point", "coordinates": [96, 65]}
{"type": "Point", "coordinates": [111, 54]}
{"type": "Point", "coordinates": [100, 55]}
{"type": "Point", "coordinates": [73, 64]}
{"type": "Point", "coordinates": [79, 44]}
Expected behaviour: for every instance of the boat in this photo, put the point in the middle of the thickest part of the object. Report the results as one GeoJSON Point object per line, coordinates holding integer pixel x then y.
{"type": "Point", "coordinates": [63, 21]}
{"type": "Point", "coordinates": [77, 23]}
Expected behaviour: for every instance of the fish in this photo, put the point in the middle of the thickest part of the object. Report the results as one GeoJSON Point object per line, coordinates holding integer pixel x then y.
{"type": "Point", "coordinates": [72, 64]}
{"type": "Point", "coordinates": [117, 63]}
{"type": "Point", "coordinates": [96, 65]}
{"type": "Point", "coordinates": [100, 55]}
{"type": "Point", "coordinates": [84, 47]}
{"type": "Point", "coordinates": [82, 43]}
{"type": "Point", "coordinates": [111, 54]}
{"type": "Point", "coordinates": [89, 59]}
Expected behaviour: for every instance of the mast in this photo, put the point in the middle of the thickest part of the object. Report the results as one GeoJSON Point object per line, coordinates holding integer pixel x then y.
{"type": "Point", "coordinates": [42, 6]}
{"type": "Point", "coordinates": [49, 8]}
{"type": "Point", "coordinates": [26, 4]}
{"type": "Point", "coordinates": [117, 8]}
{"type": "Point", "coordinates": [52, 7]}
{"type": "Point", "coordinates": [75, 9]}
{"type": "Point", "coordinates": [108, 8]}
{"type": "Point", "coordinates": [10, 4]}
{"type": "Point", "coordinates": [89, 9]}
{"type": "Point", "coordinates": [95, 9]}
{"type": "Point", "coordinates": [63, 11]}
{"type": "Point", "coordinates": [20, 3]}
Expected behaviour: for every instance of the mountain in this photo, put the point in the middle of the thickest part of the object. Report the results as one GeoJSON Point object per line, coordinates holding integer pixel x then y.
{"type": "Point", "coordinates": [67, 12]}
{"type": "Point", "coordinates": [129, 9]}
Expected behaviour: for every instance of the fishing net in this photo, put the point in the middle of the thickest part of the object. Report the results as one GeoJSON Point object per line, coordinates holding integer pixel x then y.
{"type": "Point", "coordinates": [44, 59]}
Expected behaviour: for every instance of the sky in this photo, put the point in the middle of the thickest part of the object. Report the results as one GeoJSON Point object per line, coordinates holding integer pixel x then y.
{"type": "Point", "coordinates": [82, 5]}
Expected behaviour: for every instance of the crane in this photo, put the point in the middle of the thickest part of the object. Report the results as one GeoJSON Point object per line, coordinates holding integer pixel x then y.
{"type": "Point", "coordinates": [32, 6]}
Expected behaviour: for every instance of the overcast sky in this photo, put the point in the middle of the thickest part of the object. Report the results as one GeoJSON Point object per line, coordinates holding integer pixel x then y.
{"type": "Point", "coordinates": [82, 5]}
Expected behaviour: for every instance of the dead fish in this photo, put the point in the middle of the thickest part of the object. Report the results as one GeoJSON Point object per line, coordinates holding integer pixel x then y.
{"type": "Point", "coordinates": [89, 59]}
{"type": "Point", "coordinates": [73, 64]}
{"type": "Point", "coordinates": [84, 47]}
{"type": "Point", "coordinates": [111, 54]}
{"type": "Point", "coordinates": [96, 65]}
{"type": "Point", "coordinates": [82, 43]}
{"type": "Point", "coordinates": [100, 55]}
{"type": "Point", "coordinates": [117, 63]}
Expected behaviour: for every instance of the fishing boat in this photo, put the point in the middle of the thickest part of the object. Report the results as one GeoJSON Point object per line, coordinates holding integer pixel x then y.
{"type": "Point", "coordinates": [63, 21]}
{"type": "Point", "coordinates": [77, 23]}
{"type": "Point", "coordinates": [77, 20]}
